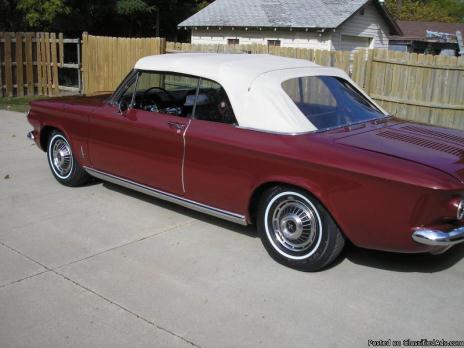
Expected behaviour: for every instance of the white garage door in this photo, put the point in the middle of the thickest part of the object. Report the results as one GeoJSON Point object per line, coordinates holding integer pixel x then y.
{"type": "Point", "coordinates": [354, 43]}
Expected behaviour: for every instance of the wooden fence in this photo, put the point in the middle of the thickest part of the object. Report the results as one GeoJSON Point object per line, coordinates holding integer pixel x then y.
{"type": "Point", "coordinates": [107, 60]}
{"type": "Point", "coordinates": [423, 88]}
{"type": "Point", "coordinates": [417, 87]}
{"type": "Point", "coordinates": [29, 63]}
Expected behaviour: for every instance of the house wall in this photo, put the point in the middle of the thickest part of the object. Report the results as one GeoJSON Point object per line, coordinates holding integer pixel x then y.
{"type": "Point", "coordinates": [371, 25]}
{"type": "Point", "coordinates": [288, 38]}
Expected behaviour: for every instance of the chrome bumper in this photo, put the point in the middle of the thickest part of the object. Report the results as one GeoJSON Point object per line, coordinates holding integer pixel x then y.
{"type": "Point", "coordinates": [439, 238]}
{"type": "Point", "coordinates": [30, 135]}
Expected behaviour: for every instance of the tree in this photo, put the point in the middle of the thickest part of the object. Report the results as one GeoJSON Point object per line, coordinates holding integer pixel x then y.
{"type": "Point", "coordinates": [40, 14]}
{"type": "Point", "coordinates": [10, 18]}
{"type": "Point", "coordinates": [132, 8]}
{"type": "Point", "coordinates": [427, 10]}
{"type": "Point", "coordinates": [100, 17]}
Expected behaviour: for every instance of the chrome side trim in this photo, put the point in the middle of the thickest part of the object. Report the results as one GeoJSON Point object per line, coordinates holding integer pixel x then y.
{"type": "Point", "coordinates": [439, 238]}
{"type": "Point", "coordinates": [202, 208]}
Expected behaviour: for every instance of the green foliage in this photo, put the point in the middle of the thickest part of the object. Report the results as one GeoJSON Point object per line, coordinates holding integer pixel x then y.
{"type": "Point", "coordinates": [201, 4]}
{"type": "Point", "coordinates": [100, 17]}
{"type": "Point", "coordinates": [42, 13]}
{"type": "Point", "coordinates": [131, 7]}
{"type": "Point", "coordinates": [19, 104]}
{"type": "Point", "coordinates": [427, 10]}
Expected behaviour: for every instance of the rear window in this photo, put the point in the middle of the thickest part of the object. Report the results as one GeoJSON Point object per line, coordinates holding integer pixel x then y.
{"type": "Point", "coordinates": [330, 102]}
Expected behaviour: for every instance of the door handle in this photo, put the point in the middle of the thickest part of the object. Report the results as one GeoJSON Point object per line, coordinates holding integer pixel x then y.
{"type": "Point", "coordinates": [175, 125]}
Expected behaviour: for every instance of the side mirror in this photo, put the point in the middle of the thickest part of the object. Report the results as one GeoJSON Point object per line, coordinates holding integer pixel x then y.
{"type": "Point", "coordinates": [123, 106]}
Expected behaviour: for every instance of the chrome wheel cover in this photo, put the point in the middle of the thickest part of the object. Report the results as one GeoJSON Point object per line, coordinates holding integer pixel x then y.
{"type": "Point", "coordinates": [60, 156]}
{"type": "Point", "coordinates": [293, 225]}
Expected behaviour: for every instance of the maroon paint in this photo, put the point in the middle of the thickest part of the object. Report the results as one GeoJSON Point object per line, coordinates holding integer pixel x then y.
{"type": "Point", "coordinates": [140, 145]}
{"type": "Point", "coordinates": [378, 180]}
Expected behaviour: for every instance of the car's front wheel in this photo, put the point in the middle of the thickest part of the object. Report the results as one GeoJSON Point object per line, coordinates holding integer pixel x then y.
{"type": "Point", "coordinates": [297, 230]}
{"type": "Point", "coordinates": [62, 162]}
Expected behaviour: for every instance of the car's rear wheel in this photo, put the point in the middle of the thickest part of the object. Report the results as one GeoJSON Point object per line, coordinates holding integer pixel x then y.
{"type": "Point", "coordinates": [297, 230]}
{"type": "Point", "coordinates": [63, 164]}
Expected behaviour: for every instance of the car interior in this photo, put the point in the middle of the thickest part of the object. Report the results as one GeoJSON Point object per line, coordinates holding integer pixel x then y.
{"type": "Point", "coordinates": [211, 103]}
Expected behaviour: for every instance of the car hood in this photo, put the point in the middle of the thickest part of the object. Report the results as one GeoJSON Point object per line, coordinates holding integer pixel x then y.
{"type": "Point", "coordinates": [94, 100]}
{"type": "Point", "coordinates": [60, 102]}
{"type": "Point", "coordinates": [435, 147]}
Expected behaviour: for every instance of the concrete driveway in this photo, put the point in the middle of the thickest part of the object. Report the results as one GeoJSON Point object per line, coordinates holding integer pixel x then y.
{"type": "Point", "coordinates": [102, 266]}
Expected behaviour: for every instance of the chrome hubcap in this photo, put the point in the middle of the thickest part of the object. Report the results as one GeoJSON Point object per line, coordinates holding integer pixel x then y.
{"type": "Point", "coordinates": [62, 157]}
{"type": "Point", "coordinates": [294, 224]}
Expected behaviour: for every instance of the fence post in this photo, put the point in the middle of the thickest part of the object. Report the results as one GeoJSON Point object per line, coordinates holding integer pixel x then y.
{"type": "Point", "coordinates": [84, 68]}
{"type": "Point", "coordinates": [54, 61]}
{"type": "Point", "coordinates": [369, 66]}
{"type": "Point", "coordinates": [8, 66]}
{"type": "Point", "coordinates": [1, 77]}
{"type": "Point", "coordinates": [29, 64]}
{"type": "Point", "coordinates": [19, 65]}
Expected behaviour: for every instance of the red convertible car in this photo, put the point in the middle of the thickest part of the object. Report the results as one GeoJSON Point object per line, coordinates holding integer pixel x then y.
{"type": "Point", "coordinates": [290, 146]}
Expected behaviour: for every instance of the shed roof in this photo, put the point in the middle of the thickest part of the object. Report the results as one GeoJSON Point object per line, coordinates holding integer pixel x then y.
{"type": "Point", "coordinates": [328, 14]}
{"type": "Point", "coordinates": [416, 30]}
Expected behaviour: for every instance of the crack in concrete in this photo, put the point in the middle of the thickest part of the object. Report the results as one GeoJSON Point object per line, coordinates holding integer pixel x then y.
{"type": "Point", "coordinates": [158, 233]}
{"type": "Point", "coordinates": [24, 255]}
{"type": "Point", "coordinates": [125, 309]}
{"type": "Point", "coordinates": [138, 316]}
{"type": "Point", "coordinates": [20, 280]}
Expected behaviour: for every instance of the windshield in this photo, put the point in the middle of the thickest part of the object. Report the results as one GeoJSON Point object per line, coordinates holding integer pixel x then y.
{"type": "Point", "coordinates": [330, 102]}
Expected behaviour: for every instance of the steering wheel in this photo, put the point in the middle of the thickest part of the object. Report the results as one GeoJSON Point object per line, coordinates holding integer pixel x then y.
{"type": "Point", "coordinates": [169, 95]}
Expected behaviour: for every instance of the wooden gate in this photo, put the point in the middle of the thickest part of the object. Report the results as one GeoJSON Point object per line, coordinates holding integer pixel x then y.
{"type": "Point", "coordinates": [30, 63]}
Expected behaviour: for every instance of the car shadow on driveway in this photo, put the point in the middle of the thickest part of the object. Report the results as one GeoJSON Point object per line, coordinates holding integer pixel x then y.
{"type": "Point", "coordinates": [245, 230]}
{"type": "Point", "coordinates": [419, 263]}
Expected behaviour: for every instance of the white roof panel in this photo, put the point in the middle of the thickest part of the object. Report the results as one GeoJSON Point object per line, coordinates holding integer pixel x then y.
{"type": "Point", "coordinates": [253, 83]}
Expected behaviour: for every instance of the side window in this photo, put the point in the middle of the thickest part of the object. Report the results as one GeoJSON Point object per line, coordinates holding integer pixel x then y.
{"type": "Point", "coordinates": [126, 90]}
{"type": "Point", "coordinates": [126, 97]}
{"type": "Point", "coordinates": [172, 94]}
{"type": "Point", "coordinates": [213, 104]}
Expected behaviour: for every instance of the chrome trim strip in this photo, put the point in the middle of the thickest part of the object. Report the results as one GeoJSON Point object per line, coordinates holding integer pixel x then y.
{"type": "Point", "coordinates": [439, 238]}
{"type": "Point", "coordinates": [202, 208]}
{"type": "Point", "coordinates": [183, 154]}
{"type": "Point", "coordinates": [274, 132]}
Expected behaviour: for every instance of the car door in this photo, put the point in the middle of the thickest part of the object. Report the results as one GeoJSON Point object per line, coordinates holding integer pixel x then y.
{"type": "Point", "coordinates": [144, 143]}
{"type": "Point", "coordinates": [218, 154]}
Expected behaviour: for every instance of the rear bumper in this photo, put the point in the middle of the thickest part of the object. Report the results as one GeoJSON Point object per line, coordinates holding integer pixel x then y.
{"type": "Point", "coordinates": [439, 238]}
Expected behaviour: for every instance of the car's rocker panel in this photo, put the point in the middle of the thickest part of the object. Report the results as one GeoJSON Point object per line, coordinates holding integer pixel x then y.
{"type": "Point", "coordinates": [202, 208]}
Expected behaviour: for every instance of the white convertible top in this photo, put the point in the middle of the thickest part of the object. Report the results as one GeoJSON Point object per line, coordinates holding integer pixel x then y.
{"type": "Point", "coordinates": [253, 83]}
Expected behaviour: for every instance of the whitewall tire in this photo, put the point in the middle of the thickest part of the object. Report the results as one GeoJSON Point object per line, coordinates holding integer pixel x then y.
{"type": "Point", "coordinates": [297, 230]}
{"type": "Point", "coordinates": [62, 162]}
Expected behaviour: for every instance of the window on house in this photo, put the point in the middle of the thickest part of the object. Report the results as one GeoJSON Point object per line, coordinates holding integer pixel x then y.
{"type": "Point", "coordinates": [233, 41]}
{"type": "Point", "coordinates": [273, 43]}
{"type": "Point", "coordinates": [362, 12]}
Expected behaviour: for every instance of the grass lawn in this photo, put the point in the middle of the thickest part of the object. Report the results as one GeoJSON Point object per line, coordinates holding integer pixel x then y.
{"type": "Point", "coordinates": [20, 104]}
